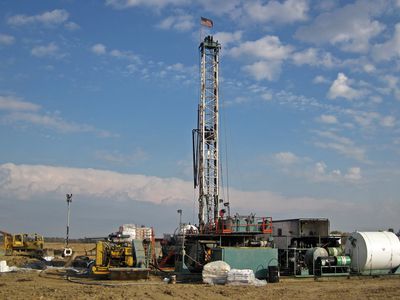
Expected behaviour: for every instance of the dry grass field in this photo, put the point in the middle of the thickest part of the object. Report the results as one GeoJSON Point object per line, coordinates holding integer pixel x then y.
{"type": "Point", "coordinates": [53, 284]}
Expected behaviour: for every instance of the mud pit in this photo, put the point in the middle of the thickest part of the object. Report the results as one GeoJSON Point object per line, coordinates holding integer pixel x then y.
{"type": "Point", "coordinates": [51, 284]}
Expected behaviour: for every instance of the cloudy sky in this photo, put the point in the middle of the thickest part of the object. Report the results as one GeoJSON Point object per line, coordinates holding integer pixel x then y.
{"type": "Point", "coordinates": [98, 99]}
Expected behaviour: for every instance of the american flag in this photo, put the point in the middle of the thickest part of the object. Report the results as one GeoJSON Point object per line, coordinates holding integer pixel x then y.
{"type": "Point", "coordinates": [206, 22]}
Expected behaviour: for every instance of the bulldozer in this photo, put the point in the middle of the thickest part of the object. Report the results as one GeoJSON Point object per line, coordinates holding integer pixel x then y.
{"type": "Point", "coordinates": [122, 257]}
{"type": "Point", "coordinates": [31, 244]}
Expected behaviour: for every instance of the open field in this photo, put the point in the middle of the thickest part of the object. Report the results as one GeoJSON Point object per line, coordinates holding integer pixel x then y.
{"type": "Point", "coordinates": [52, 284]}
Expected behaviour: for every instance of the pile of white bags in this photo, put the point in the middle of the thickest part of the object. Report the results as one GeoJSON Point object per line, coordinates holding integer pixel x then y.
{"type": "Point", "coordinates": [216, 272]}
{"type": "Point", "coordinates": [219, 272]}
{"type": "Point", "coordinates": [3, 267]}
{"type": "Point", "coordinates": [244, 277]}
{"type": "Point", "coordinates": [236, 276]}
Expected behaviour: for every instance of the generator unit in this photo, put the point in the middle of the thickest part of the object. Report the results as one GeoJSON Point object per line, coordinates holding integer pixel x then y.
{"type": "Point", "coordinates": [123, 257]}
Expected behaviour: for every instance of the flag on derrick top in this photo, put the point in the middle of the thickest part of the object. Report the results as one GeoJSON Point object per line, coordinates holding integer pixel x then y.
{"type": "Point", "coordinates": [206, 22]}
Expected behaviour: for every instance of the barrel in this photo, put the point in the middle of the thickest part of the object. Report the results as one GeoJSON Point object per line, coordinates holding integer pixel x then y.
{"type": "Point", "coordinates": [273, 274]}
{"type": "Point", "coordinates": [343, 260]}
{"type": "Point", "coordinates": [335, 251]}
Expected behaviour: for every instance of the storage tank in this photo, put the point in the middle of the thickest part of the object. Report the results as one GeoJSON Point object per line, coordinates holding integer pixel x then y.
{"type": "Point", "coordinates": [370, 251]}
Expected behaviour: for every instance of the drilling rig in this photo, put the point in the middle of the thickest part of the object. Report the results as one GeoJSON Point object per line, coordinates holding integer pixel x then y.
{"type": "Point", "coordinates": [242, 241]}
{"type": "Point", "coordinates": [205, 137]}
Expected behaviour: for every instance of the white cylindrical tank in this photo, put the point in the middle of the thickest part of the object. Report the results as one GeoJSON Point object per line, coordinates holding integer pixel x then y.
{"type": "Point", "coordinates": [188, 229]}
{"type": "Point", "coordinates": [312, 254]}
{"type": "Point", "coordinates": [373, 251]}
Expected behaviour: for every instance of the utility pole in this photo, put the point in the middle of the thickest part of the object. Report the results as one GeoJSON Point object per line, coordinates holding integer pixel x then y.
{"type": "Point", "coordinates": [69, 200]}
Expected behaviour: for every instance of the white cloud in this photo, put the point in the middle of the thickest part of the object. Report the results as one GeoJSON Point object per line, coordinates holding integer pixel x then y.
{"type": "Point", "coordinates": [390, 49]}
{"type": "Point", "coordinates": [376, 99]}
{"type": "Point", "coordinates": [365, 119]}
{"type": "Point", "coordinates": [50, 50]}
{"type": "Point", "coordinates": [286, 158]}
{"type": "Point", "coordinates": [125, 55]}
{"type": "Point", "coordinates": [157, 4]}
{"type": "Point", "coordinates": [306, 168]}
{"type": "Point", "coordinates": [320, 168]}
{"type": "Point", "coordinates": [6, 39]}
{"type": "Point", "coordinates": [369, 68]}
{"type": "Point", "coordinates": [98, 49]}
{"type": "Point", "coordinates": [132, 59]}
{"type": "Point", "coordinates": [268, 47]}
{"type": "Point", "coordinates": [325, 5]}
{"type": "Point", "coordinates": [23, 112]}
{"type": "Point", "coordinates": [369, 119]}
{"type": "Point", "coordinates": [267, 96]}
{"type": "Point", "coordinates": [322, 174]}
{"type": "Point", "coordinates": [350, 27]}
{"type": "Point", "coordinates": [11, 103]}
{"type": "Point", "coordinates": [288, 11]}
{"type": "Point", "coordinates": [178, 67]}
{"type": "Point", "coordinates": [180, 22]}
{"type": "Point", "coordinates": [341, 145]}
{"type": "Point", "coordinates": [268, 54]}
{"type": "Point", "coordinates": [264, 70]}
{"type": "Point", "coordinates": [54, 122]}
{"type": "Point", "coordinates": [353, 174]}
{"type": "Point", "coordinates": [388, 121]}
{"type": "Point", "coordinates": [48, 18]}
{"type": "Point", "coordinates": [27, 182]}
{"type": "Point", "coordinates": [392, 83]}
{"type": "Point", "coordinates": [314, 57]}
{"type": "Point", "coordinates": [72, 26]}
{"type": "Point", "coordinates": [327, 119]}
{"type": "Point", "coordinates": [341, 88]}
{"type": "Point", "coordinates": [320, 79]}
{"type": "Point", "coordinates": [227, 38]}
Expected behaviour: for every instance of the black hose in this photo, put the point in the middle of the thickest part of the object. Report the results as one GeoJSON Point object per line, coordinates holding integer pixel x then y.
{"type": "Point", "coordinates": [112, 284]}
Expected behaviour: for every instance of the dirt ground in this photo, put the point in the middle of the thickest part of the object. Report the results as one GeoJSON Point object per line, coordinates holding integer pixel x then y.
{"type": "Point", "coordinates": [53, 284]}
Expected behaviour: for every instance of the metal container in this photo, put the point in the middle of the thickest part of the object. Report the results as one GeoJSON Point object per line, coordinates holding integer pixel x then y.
{"type": "Point", "coordinates": [325, 261]}
{"type": "Point", "coordinates": [343, 260]}
{"type": "Point", "coordinates": [335, 251]}
{"type": "Point", "coordinates": [257, 259]}
{"type": "Point", "coordinates": [371, 251]}
{"type": "Point", "coordinates": [312, 254]}
{"type": "Point", "coordinates": [273, 274]}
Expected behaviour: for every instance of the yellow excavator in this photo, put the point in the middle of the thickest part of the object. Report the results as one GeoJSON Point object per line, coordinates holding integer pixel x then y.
{"type": "Point", "coordinates": [23, 243]}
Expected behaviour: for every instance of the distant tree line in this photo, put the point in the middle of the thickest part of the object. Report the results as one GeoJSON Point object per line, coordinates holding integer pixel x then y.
{"type": "Point", "coordinates": [73, 241]}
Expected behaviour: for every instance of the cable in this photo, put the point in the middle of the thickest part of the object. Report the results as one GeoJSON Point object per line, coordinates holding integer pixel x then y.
{"type": "Point", "coordinates": [112, 284]}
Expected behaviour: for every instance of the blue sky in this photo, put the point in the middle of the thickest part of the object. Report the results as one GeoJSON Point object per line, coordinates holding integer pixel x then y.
{"type": "Point", "coordinates": [98, 99]}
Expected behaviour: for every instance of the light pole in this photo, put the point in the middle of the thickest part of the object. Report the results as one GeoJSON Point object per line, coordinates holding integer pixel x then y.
{"type": "Point", "coordinates": [180, 218]}
{"type": "Point", "coordinates": [69, 200]}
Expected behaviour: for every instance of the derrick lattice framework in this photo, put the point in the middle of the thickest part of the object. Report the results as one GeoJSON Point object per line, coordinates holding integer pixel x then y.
{"type": "Point", "coordinates": [205, 145]}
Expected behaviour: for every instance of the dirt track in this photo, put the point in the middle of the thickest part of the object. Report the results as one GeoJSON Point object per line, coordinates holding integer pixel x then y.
{"type": "Point", "coordinates": [51, 284]}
